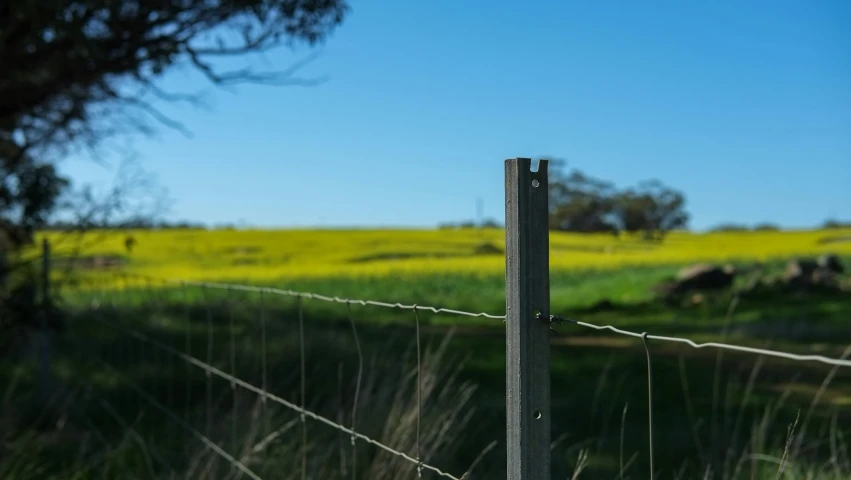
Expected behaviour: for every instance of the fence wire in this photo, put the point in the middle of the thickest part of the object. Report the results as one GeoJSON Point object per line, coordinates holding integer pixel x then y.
{"type": "Point", "coordinates": [265, 395]}
{"type": "Point", "coordinates": [179, 421]}
{"type": "Point", "coordinates": [272, 397]}
{"type": "Point", "coordinates": [553, 319]}
{"type": "Point", "coordinates": [727, 346]}
{"type": "Point", "coordinates": [325, 298]}
{"type": "Point", "coordinates": [193, 358]}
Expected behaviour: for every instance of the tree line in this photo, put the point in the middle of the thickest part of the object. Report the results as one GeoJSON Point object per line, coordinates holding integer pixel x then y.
{"type": "Point", "coordinates": [131, 224]}
{"type": "Point", "coordinates": [581, 203]}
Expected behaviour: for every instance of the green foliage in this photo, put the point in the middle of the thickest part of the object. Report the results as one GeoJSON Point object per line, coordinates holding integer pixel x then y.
{"type": "Point", "coordinates": [579, 203]}
{"type": "Point", "coordinates": [651, 208]}
{"type": "Point", "coordinates": [836, 224]}
{"type": "Point", "coordinates": [766, 227]}
{"type": "Point", "coordinates": [599, 393]}
{"type": "Point", "coordinates": [29, 191]}
{"type": "Point", "coordinates": [584, 204]}
{"type": "Point", "coordinates": [737, 227]}
{"type": "Point", "coordinates": [79, 72]}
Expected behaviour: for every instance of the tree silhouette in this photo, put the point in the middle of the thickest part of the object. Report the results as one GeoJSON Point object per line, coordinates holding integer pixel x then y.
{"type": "Point", "coordinates": [74, 73]}
{"type": "Point", "coordinates": [77, 72]}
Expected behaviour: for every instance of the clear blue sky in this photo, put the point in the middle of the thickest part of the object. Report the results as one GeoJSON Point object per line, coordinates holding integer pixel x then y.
{"type": "Point", "coordinates": [743, 105]}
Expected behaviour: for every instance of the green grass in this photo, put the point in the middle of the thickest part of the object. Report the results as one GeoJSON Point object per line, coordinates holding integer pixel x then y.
{"type": "Point", "coordinates": [703, 401]}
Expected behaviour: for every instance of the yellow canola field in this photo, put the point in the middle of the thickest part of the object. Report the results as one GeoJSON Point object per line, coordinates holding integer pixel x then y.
{"type": "Point", "coordinates": [280, 254]}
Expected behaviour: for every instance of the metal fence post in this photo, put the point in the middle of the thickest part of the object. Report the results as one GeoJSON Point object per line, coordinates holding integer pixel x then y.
{"type": "Point", "coordinates": [527, 305]}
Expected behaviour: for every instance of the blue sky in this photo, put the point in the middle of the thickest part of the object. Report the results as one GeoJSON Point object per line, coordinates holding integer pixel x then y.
{"type": "Point", "coordinates": [745, 106]}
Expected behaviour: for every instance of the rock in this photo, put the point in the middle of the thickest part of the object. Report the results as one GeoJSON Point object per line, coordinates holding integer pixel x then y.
{"type": "Point", "coordinates": [699, 277]}
{"type": "Point", "coordinates": [691, 271]}
{"type": "Point", "coordinates": [823, 277]}
{"type": "Point", "coordinates": [830, 262]}
{"type": "Point", "coordinates": [808, 274]}
{"type": "Point", "coordinates": [705, 277]}
{"type": "Point", "coordinates": [799, 270]}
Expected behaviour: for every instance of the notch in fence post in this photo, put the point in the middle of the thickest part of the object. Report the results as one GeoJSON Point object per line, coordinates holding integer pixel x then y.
{"type": "Point", "coordinates": [527, 305]}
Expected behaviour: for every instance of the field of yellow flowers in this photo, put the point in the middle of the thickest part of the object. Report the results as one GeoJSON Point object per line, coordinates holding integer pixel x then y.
{"type": "Point", "coordinates": [263, 255]}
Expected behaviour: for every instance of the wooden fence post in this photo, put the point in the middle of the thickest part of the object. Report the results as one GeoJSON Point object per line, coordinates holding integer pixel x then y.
{"type": "Point", "coordinates": [45, 275]}
{"type": "Point", "coordinates": [4, 269]}
{"type": "Point", "coordinates": [527, 310]}
{"type": "Point", "coordinates": [44, 379]}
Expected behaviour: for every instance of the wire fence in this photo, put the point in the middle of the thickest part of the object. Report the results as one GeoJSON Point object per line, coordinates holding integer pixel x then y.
{"type": "Point", "coordinates": [238, 348]}
{"type": "Point", "coordinates": [221, 322]}
{"type": "Point", "coordinates": [216, 359]}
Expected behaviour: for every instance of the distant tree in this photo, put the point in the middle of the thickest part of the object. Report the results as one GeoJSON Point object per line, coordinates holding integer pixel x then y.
{"type": "Point", "coordinates": [730, 228]}
{"type": "Point", "coordinates": [491, 223]}
{"type": "Point", "coordinates": [766, 227]}
{"type": "Point", "coordinates": [584, 204]}
{"type": "Point", "coordinates": [836, 223]}
{"type": "Point", "coordinates": [651, 208]}
{"type": "Point", "coordinates": [181, 225]}
{"type": "Point", "coordinates": [738, 227]}
{"type": "Point", "coordinates": [580, 203]}
{"type": "Point", "coordinates": [468, 225]}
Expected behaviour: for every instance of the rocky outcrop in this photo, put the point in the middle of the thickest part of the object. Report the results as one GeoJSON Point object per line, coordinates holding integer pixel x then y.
{"type": "Point", "coordinates": [806, 273]}
{"type": "Point", "coordinates": [696, 283]}
{"type": "Point", "coordinates": [700, 278]}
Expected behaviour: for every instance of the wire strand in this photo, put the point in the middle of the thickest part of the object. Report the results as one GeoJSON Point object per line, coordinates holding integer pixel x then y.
{"type": "Point", "coordinates": [419, 393]}
{"type": "Point", "coordinates": [726, 346]}
{"type": "Point", "coordinates": [200, 436]}
{"type": "Point", "coordinates": [232, 355]}
{"type": "Point", "coordinates": [188, 346]}
{"type": "Point", "coordinates": [649, 401]}
{"type": "Point", "coordinates": [264, 385]}
{"type": "Point", "coordinates": [209, 378]}
{"type": "Point", "coordinates": [303, 388]}
{"type": "Point", "coordinates": [325, 298]}
{"type": "Point", "coordinates": [553, 318]}
{"type": "Point", "coordinates": [215, 371]}
{"type": "Point", "coordinates": [357, 388]}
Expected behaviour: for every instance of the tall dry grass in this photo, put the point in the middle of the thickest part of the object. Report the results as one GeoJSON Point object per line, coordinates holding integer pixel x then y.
{"type": "Point", "coordinates": [389, 410]}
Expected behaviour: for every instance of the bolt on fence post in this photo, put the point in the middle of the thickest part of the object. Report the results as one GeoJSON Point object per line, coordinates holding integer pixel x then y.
{"type": "Point", "coordinates": [527, 305]}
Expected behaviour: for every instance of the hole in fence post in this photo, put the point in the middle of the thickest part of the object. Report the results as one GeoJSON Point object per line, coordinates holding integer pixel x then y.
{"type": "Point", "coordinates": [535, 184]}
{"type": "Point", "coordinates": [537, 414]}
{"type": "Point", "coordinates": [534, 165]}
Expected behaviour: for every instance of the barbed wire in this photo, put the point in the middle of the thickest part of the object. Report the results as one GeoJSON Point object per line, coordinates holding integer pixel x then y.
{"type": "Point", "coordinates": [264, 394]}
{"type": "Point", "coordinates": [553, 319]}
{"type": "Point", "coordinates": [326, 298]}
{"type": "Point", "coordinates": [693, 344]}
{"type": "Point", "coordinates": [270, 396]}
